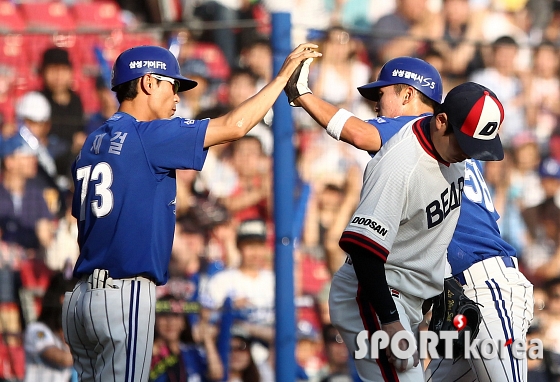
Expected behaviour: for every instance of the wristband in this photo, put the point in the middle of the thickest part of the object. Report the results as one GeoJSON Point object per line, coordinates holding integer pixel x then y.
{"type": "Point", "coordinates": [336, 124]}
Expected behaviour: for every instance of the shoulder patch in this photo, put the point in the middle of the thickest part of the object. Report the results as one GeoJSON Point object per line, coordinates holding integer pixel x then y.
{"type": "Point", "coordinates": [189, 121]}
{"type": "Point", "coordinates": [372, 225]}
{"type": "Point", "coordinates": [378, 120]}
{"type": "Point", "coordinates": [40, 334]}
{"type": "Point", "coordinates": [115, 117]}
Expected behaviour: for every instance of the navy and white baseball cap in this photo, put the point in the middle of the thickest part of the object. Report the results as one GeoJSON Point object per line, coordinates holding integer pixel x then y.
{"type": "Point", "coordinates": [476, 114]}
{"type": "Point", "coordinates": [252, 229]}
{"type": "Point", "coordinates": [549, 168]}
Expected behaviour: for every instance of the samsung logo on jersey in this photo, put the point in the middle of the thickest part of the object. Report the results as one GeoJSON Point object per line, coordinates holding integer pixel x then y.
{"type": "Point", "coordinates": [367, 222]}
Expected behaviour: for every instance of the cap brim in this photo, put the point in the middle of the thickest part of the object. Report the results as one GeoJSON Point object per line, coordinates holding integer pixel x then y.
{"type": "Point", "coordinates": [251, 238]}
{"type": "Point", "coordinates": [490, 150]}
{"type": "Point", "coordinates": [370, 91]}
{"type": "Point", "coordinates": [185, 83]}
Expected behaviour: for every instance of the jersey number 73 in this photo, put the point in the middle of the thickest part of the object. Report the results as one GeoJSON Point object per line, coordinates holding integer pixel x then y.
{"type": "Point", "coordinates": [102, 175]}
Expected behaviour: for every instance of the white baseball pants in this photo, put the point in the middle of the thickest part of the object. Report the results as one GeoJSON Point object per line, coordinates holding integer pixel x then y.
{"type": "Point", "coordinates": [506, 297]}
{"type": "Point", "coordinates": [110, 330]}
{"type": "Point", "coordinates": [350, 316]}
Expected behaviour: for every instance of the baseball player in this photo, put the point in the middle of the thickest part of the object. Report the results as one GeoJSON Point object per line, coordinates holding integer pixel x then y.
{"type": "Point", "coordinates": [468, 245]}
{"type": "Point", "coordinates": [124, 202]}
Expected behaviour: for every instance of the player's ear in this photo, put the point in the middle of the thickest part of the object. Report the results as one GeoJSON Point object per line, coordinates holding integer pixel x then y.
{"type": "Point", "coordinates": [146, 83]}
{"type": "Point", "coordinates": [441, 121]}
{"type": "Point", "coordinates": [408, 93]}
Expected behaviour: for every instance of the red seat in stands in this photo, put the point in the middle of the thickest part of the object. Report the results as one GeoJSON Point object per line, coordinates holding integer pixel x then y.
{"type": "Point", "coordinates": [95, 16]}
{"type": "Point", "coordinates": [49, 16]}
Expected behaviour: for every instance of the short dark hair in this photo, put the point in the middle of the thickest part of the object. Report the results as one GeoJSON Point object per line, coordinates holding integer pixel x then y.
{"type": "Point", "coordinates": [240, 72]}
{"type": "Point", "coordinates": [127, 90]}
{"type": "Point", "coordinates": [504, 40]}
{"type": "Point", "coordinates": [423, 98]}
{"type": "Point", "coordinates": [438, 109]}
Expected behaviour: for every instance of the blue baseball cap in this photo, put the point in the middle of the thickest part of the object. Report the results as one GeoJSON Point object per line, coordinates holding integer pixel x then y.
{"type": "Point", "coordinates": [17, 145]}
{"type": "Point", "coordinates": [306, 331]}
{"type": "Point", "coordinates": [549, 168]}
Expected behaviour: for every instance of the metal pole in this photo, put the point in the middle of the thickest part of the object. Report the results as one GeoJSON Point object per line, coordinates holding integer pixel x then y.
{"type": "Point", "coordinates": [284, 184]}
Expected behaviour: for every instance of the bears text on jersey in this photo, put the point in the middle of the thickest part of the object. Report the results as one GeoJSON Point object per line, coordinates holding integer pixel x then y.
{"type": "Point", "coordinates": [450, 199]}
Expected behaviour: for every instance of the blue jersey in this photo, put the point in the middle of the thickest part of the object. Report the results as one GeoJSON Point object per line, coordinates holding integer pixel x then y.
{"type": "Point", "coordinates": [477, 235]}
{"type": "Point", "coordinates": [124, 198]}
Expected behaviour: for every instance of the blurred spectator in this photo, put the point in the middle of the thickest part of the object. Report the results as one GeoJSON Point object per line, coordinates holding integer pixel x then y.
{"type": "Point", "coordinates": [7, 82]}
{"type": "Point", "coordinates": [227, 14]}
{"type": "Point", "coordinates": [501, 76]}
{"type": "Point", "coordinates": [308, 350]}
{"type": "Point", "coordinates": [337, 368]}
{"type": "Point", "coordinates": [329, 209]}
{"type": "Point", "coordinates": [62, 253]}
{"type": "Point", "coordinates": [187, 196]}
{"type": "Point", "coordinates": [506, 199]}
{"type": "Point", "coordinates": [217, 179]}
{"type": "Point", "coordinates": [308, 17]}
{"type": "Point", "coordinates": [48, 358]}
{"type": "Point", "coordinates": [11, 258]}
{"type": "Point", "coordinates": [67, 111]}
{"type": "Point", "coordinates": [33, 113]}
{"type": "Point", "coordinates": [525, 181]}
{"type": "Point", "coordinates": [243, 367]}
{"type": "Point", "coordinates": [189, 267]}
{"type": "Point", "coordinates": [552, 30]}
{"type": "Point", "coordinates": [536, 368]}
{"type": "Point", "coordinates": [551, 336]}
{"type": "Point", "coordinates": [543, 225]}
{"type": "Point", "coordinates": [24, 216]}
{"type": "Point", "coordinates": [461, 31]}
{"type": "Point", "coordinates": [251, 286]}
{"type": "Point", "coordinates": [404, 32]}
{"type": "Point", "coordinates": [202, 96]}
{"type": "Point", "coordinates": [252, 195]}
{"type": "Point", "coordinates": [241, 85]}
{"type": "Point", "coordinates": [256, 55]}
{"type": "Point", "coordinates": [510, 18]}
{"type": "Point", "coordinates": [543, 97]}
{"type": "Point", "coordinates": [108, 105]}
{"type": "Point", "coordinates": [339, 65]}
{"type": "Point", "coordinates": [182, 353]}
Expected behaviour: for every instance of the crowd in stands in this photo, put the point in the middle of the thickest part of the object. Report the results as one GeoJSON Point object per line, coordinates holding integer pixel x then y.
{"type": "Point", "coordinates": [215, 316]}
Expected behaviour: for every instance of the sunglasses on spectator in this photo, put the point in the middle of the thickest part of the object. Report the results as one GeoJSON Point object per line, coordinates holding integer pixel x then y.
{"type": "Point", "coordinates": [172, 81]}
{"type": "Point", "coordinates": [239, 347]}
{"type": "Point", "coordinates": [338, 339]}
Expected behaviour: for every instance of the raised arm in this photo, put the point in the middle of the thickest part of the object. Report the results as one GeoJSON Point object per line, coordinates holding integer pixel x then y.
{"type": "Point", "coordinates": [238, 122]}
{"type": "Point", "coordinates": [354, 131]}
{"type": "Point", "coordinates": [339, 123]}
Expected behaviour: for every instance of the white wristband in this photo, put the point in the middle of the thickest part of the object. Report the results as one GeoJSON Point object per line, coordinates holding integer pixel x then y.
{"type": "Point", "coordinates": [336, 124]}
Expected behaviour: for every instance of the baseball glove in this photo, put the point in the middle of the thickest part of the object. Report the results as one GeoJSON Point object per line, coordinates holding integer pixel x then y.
{"type": "Point", "coordinates": [445, 307]}
{"type": "Point", "coordinates": [297, 83]}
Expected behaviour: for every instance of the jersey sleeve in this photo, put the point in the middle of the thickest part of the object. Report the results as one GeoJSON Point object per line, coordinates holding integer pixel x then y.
{"type": "Point", "coordinates": [37, 338]}
{"type": "Point", "coordinates": [176, 143]}
{"type": "Point", "coordinates": [388, 127]}
{"type": "Point", "coordinates": [381, 209]}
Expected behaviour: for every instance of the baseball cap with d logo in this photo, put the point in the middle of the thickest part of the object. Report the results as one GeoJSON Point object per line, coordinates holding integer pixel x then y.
{"type": "Point", "coordinates": [476, 114]}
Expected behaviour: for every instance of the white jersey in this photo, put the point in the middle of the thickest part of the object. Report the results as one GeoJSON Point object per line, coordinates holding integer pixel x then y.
{"type": "Point", "coordinates": [38, 337]}
{"type": "Point", "coordinates": [399, 219]}
{"type": "Point", "coordinates": [258, 291]}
